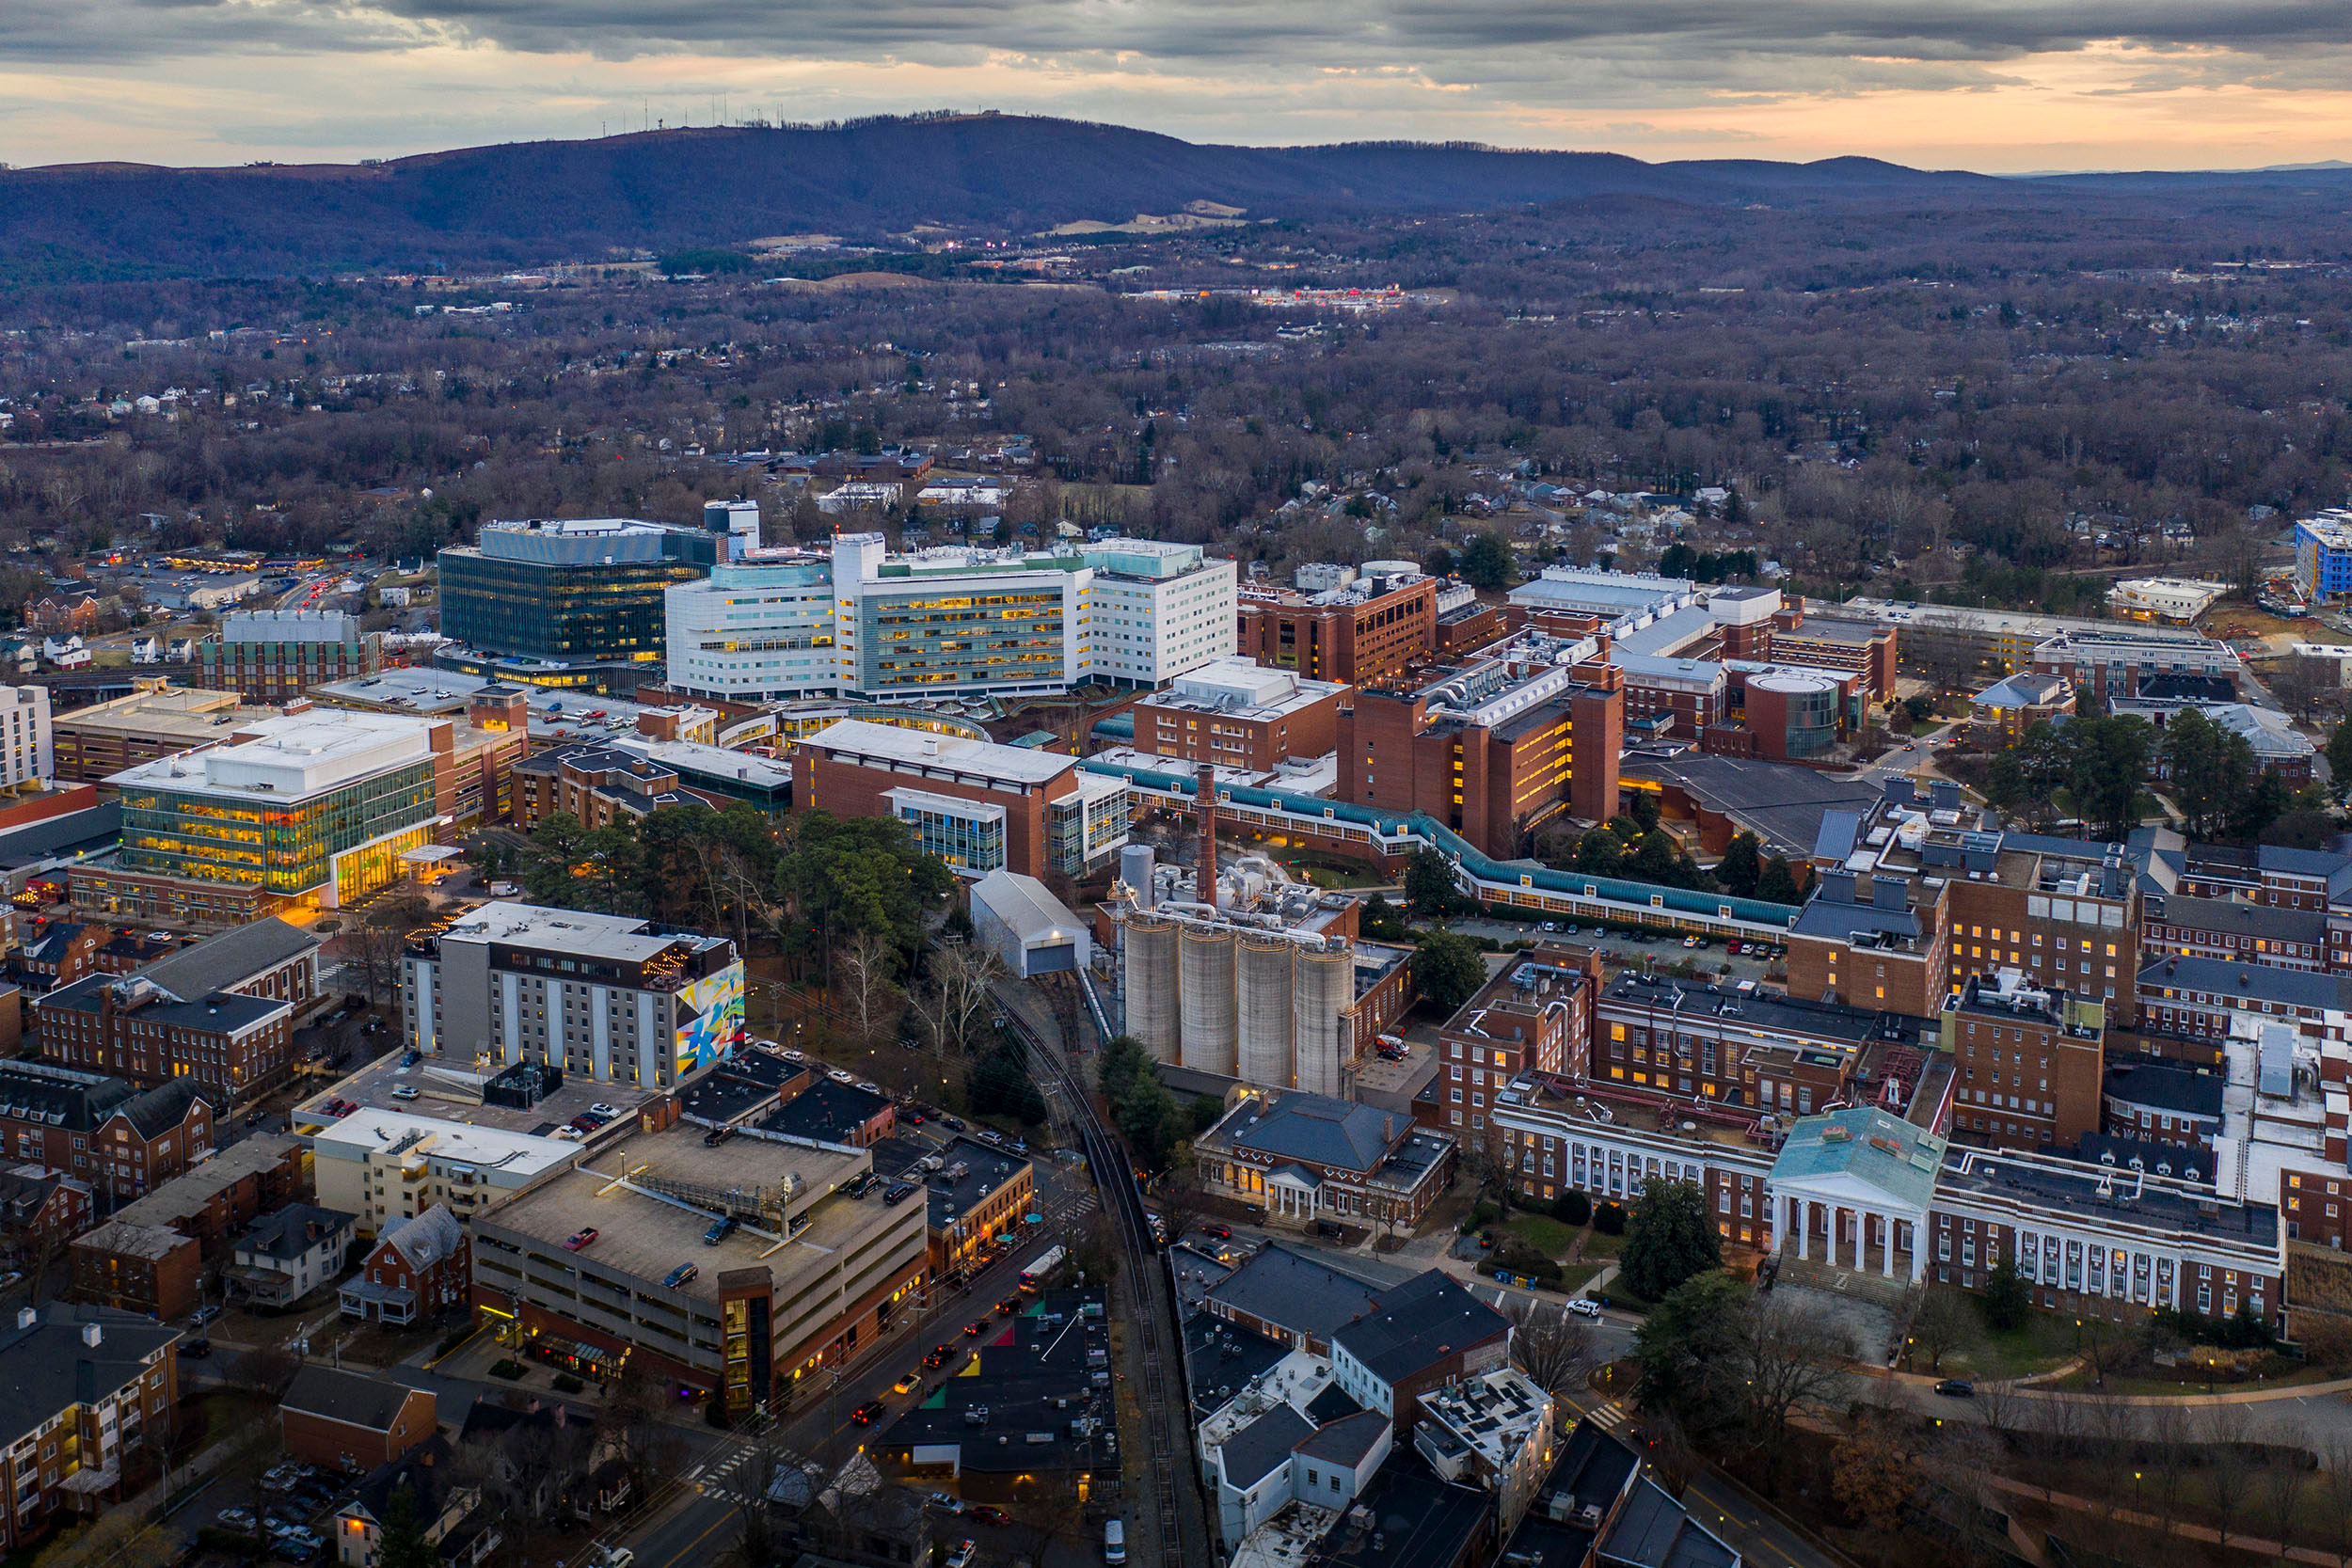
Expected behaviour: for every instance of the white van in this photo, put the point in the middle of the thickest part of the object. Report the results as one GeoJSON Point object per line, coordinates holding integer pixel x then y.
{"type": "Point", "coordinates": [1114, 1540]}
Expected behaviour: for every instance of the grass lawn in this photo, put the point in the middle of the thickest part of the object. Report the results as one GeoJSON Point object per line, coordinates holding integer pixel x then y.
{"type": "Point", "coordinates": [1598, 1245]}
{"type": "Point", "coordinates": [1335, 875]}
{"type": "Point", "coordinates": [1575, 1276]}
{"type": "Point", "coordinates": [1542, 1233]}
{"type": "Point", "coordinates": [2046, 1341]}
{"type": "Point", "coordinates": [2081, 1380]}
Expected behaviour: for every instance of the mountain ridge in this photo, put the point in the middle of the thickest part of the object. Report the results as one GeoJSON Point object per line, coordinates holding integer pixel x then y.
{"type": "Point", "coordinates": [521, 203]}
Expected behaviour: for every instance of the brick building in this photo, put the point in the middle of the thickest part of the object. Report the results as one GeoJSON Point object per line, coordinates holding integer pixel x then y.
{"type": "Point", "coordinates": [2232, 930]}
{"type": "Point", "coordinates": [92, 1401]}
{"type": "Point", "coordinates": [137, 1268]}
{"type": "Point", "coordinates": [2162, 1103]}
{"type": "Point", "coordinates": [270, 655]}
{"type": "Point", "coordinates": [1537, 1016]}
{"type": "Point", "coordinates": [1372, 629]}
{"type": "Point", "coordinates": [120, 1139]}
{"type": "Point", "coordinates": [977, 805]}
{"type": "Point", "coordinates": [1300, 1158]}
{"type": "Point", "coordinates": [343, 1422]}
{"type": "Point", "coordinates": [598, 784]}
{"type": "Point", "coordinates": [157, 720]}
{"type": "Point", "coordinates": [1869, 651]}
{"type": "Point", "coordinates": [1241, 715]}
{"type": "Point", "coordinates": [1489, 749]}
{"type": "Point", "coordinates": [2029, 1063]}
{"type": "Point", "coordinates": [41, 1211]}
{"type": "Point", "coordinates": [420, 1268]}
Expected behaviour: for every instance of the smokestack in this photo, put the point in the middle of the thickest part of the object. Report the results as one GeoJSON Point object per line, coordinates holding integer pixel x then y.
{"type": "Point", "coordinates": [1204, 795]}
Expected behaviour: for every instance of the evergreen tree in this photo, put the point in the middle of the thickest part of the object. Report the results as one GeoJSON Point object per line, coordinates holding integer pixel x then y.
{"type": "Point", "coordinates": [1670, 1236]}
{"type": "Point", "coordinates": [1778, 884]}
{"type": "Point", "coordinates": [1429, 888]}
{"type": "Point", "coordinates": [1741, 866]}
{"type": "Point", "coordinates": [2262, 804]}
{"type": "Point", "coordinates": [404, 1544]}
{"type": "Point", "coordinates": [2340, 761]}
{"type": "Point", "coordinates": [1600, 853]}
{"type": "Point", "coordinates": [2007, 1298]}
{"type": "Point", "coordinates": [1486, 561]}
{"type": "Point", "coordinates": [1448, 970]}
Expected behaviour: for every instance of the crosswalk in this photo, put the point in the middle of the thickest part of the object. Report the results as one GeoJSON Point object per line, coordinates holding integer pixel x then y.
{"type": "Point", "coordinates": [722, 1480]}
{"type": "Point", "coordinates": [1610, 1417]}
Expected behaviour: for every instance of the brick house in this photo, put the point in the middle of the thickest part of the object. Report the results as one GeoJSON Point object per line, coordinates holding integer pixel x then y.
{"type": "Point", "coordinates": [342, 1421]}
{"type": "Point", "coordinates": [86, 1388]}
{"type": "Point", "coordinates": [133, 1267]}
{"type": "Point", "coordinates": [421, 1268]}
{"type": "Point", "coordinates": [40, 1209]}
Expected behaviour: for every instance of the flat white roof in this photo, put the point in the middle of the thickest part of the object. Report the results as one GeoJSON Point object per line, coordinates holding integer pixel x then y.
{"type": "Point", "coordinates": [714, 760]}
{"type": "Point", "coordinates": [611, 936]}
{"type": "Point", "coordinates": [858, 739]}
{"type": "Point", "coordinates": [522, 1155]}
{"type": "Point", "coordinates": [293, 757]}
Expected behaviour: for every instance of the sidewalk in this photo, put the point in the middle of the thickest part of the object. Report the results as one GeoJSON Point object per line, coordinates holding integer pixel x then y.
{"type": "Point", "coordinates": [2237, 1543]}
{"type": "Point", "coordinates": [2023, 1390]}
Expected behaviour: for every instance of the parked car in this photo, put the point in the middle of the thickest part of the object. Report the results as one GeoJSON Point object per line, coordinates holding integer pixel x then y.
{"type": "Point", "coordinates": [197, 1349]}
{"type": "Point", "coordinates": [607, 1112]}
{"type": "Point", "coordinates": [962, 1557]}
{"type": "Point", "coordinates": [405, 1091]}
{"type": "Point", "coordinates": [411, 1056]}
{"type": "Point", "coordinates": [238, 1518]}
{"type": "Point", "coordinates": [988, 1515]}
{"type": "Point", "coordinates": [203, 1315]}
{"type": "Point", "coordinates": [944, 1503]}
{"type": "Point", "coordinates": [584, 1237]}
{"type": "Point", "coordinates": [720, 1229]}
{"type": "Point", "coordinates": [898, 1193]}
{"type": "Point", "coordinates": [679, 1275]}
{"type": "Point", "coordinates": [1584, 1306]}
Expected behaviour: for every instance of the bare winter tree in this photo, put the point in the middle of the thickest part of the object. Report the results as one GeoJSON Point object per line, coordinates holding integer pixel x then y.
{"type": "Point", "coordinates": [1795, 1357]}
{"type": "Point", "coordinates": [1938, 645]}
{"type": "Point", "coordinates": [1553, 1347]}
{"type": "Point", "coordinates": [954, 995]}
{"type": "Point", "coordinates": [1944, 1321]}
{"type": "Point", "coordinates": [2302, 682]}
{"type": "Point", "coordinates": [861, 977]}
{"type": "Point", "coordinates": [2229, 1464]}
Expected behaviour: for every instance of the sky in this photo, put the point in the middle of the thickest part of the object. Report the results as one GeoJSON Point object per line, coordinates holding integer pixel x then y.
{"type": "Point", "coordinates": [1996, 86]}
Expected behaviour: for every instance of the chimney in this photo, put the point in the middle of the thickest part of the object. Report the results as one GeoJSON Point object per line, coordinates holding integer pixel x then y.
{"type": "Point", "coordinates": [93, 1334]}
{"type": "Point", "coordinates": [26, 1317]}
{"type": "Point", "coordinates": [1205, 796]}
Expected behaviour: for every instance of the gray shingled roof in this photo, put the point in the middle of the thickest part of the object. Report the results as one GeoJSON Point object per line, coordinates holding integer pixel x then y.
{"type": "Point", "coordinates": [2249, 920]}
{"type": "Point", "coordinates": [426, 1239]}
{"type": "Point", "coordinates": [1279, 1287]}
{"type": "Point", "coordinates": [1343, 1133]}
{"type": "Point", "coordinates": [2251, 982]}
{"type": "Point", "coordinates": [346, 1397]}
{"type": "Point", "coordinates": [42, 1367]}
{"type": "Point", "coordinates": [1346, 1440]}
{"type": "Point", "coordinates": [1425, 1319]}
{"type": "Point", "coordinates": [1259, 1448]}
{"type": "Point", "coordinates": [231, 958]}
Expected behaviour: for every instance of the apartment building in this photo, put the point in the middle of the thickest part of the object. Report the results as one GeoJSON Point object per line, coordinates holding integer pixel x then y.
{"type": "Point", "coordinates": [584, 1270]}
{"type": "Point", "coordinates": [599, 996]}
{"type": "Point", "coordinates": [977, 805]}
{"type": "Point", "coordinates": [100, 1129]}
{"type": "Point", "coordinates": [27, 742]}
{"type": "Point", "coordinates": [273, 655]}
{"type": "Point", "coordinates": [217, 1015]}
{"type": "Point", "coordinates": [1372, 629]}
{"type": "Point", "coordinates": [2323, 556]}
{"type": "Point", "coordinates": [1240, 715]}
{"type": "Point", "coordinates": [2232, 930]}
{"type": "Point", "coordinates": [388, 1167]}
{"type": "Point", "coordinates": [1489, 749]}
{"type": "Point", "coordinates": [2116, 662]}
{"type": "Point", "coordinates": [93, 1392]}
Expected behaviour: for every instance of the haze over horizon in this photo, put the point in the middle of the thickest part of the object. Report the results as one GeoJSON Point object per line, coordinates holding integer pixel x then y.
{"type": "Point", "coordinates": [1994, 86]}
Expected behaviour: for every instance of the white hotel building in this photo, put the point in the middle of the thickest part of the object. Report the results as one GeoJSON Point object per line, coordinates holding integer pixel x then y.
{"type": "Point", "coordinates": [947, 622]}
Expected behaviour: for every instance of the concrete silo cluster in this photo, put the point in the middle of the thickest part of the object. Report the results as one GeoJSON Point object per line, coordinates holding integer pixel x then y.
{"type": "Point", "coordinates": [1250, 987]}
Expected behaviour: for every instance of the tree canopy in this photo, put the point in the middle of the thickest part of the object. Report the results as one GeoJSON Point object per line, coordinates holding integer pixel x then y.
{"type": "Point", "coordinates": [1448, 970]}
{"type": "Point", "coordinates": [1669, 1237]}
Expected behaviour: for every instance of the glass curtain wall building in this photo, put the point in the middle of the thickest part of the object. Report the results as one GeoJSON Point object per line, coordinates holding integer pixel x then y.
{"type": "Point", "coordinates": [568, 595]}
{"type": "Point", "coordinates": [311, 806]}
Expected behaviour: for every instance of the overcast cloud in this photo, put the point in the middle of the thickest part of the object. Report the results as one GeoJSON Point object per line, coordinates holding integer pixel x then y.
{"type": "Point", "coordinates": [1977, 83]}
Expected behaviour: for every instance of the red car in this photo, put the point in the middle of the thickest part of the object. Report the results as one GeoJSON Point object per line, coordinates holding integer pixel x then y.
{"type": "Point", "coordinates": [584, 1236]}
{"type": "Point", "coordinates": [986, 1514]}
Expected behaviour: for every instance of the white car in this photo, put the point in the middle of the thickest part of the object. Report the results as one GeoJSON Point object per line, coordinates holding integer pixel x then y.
{"type": "Point", "coordinates": [962, 1557]}
{"type": "Point", "coordinates": [838, 1076]}
{"type": "Point", "coordinates": [1585, 1307]}
{"type": "Point", "coordinates": [608, 1112]}
{"type": "Point", "coordinates": [405, 1091]}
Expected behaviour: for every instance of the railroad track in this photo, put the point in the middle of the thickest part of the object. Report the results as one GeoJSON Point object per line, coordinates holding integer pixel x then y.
{"type": "Point", "coordinates": [1115, 1179]}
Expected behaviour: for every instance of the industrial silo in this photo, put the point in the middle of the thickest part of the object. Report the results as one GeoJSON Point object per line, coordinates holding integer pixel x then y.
{"type": "Point", "coordinates": [1323, 1016]}
{"type": "Point", "coordinates": [1266, 1011]}
{"type": "Point", "coordinates": [1134, 870]}
{"type": "Point", "coordinates": [1148, 983]}
{"type": "Point", "coordinates": [1207, 1039]}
